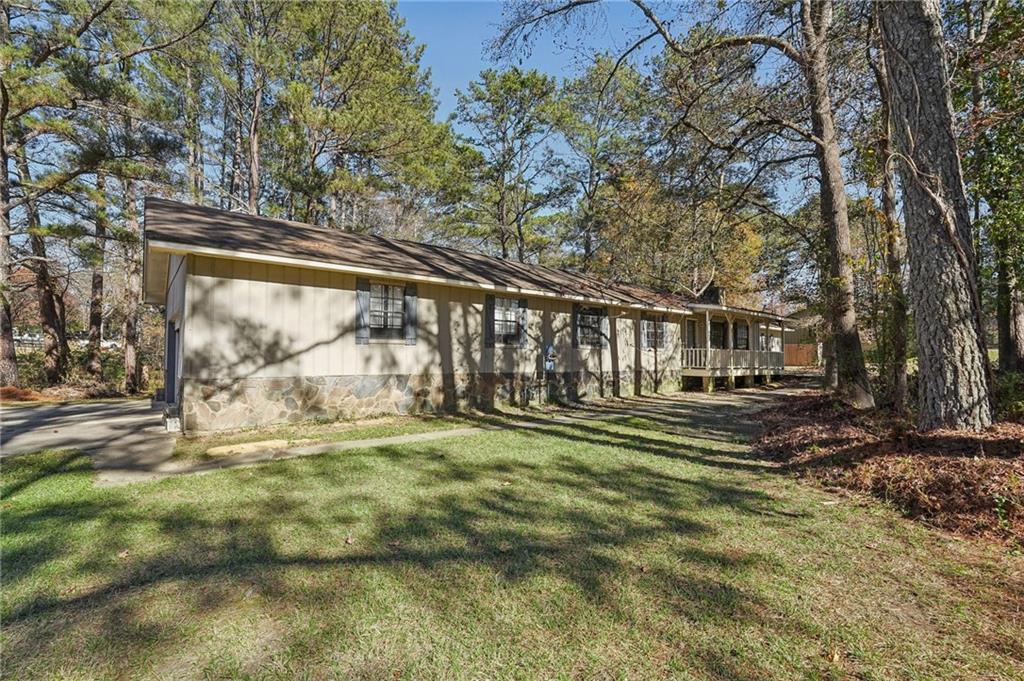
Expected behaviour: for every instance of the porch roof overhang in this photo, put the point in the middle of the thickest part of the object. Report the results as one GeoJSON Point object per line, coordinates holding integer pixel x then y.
{"type": "Point", "coordinates": [742, 311]}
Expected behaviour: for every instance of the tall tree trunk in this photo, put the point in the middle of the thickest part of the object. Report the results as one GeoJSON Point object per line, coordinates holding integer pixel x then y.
{"type": "Point", "coordinates": [1009, 314]}
{"type": "Point", "coordinates": [953, 361]}
{"type": "Point", "coordinates": [133, 291]}
{"type": "Point", "coordinates": [55, 351]}
{"type": "Point", "coordinates": [830, 377]}
{"type": "Point", "coordinates": [8, 357]}
{"type": "Point", "coordinates": [94, 365]}
{"type": "Point", "coordinates": [896, 301]}
{"type": "Point", "coordinates": [854, 386]}
{"type": "Point", "coordinates": [1017, 325]}
{"type": "Point", "coordinates": [254, 152]}
{"type": "Point", "coordinates": [193, 137]}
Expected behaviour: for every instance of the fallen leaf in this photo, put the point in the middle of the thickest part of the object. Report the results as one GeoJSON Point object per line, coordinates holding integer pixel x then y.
{"type": "Point", "coordinates": [349, 539]}
{"type": "Point", "coordinates": [123, 554]}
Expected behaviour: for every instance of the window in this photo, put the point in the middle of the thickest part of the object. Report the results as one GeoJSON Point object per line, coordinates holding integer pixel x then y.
{"type": "Point", "coordinates": [506, 320]}
{"type": "Point", "coordinates": [387, 311]}
{"type": "Point", "coordinates": [653, 331]}
{"type": "Point", "coordinates": [718, 334]}
{"type": "Point", "coordinates": [589, 327]}
{"type": "Point", "coordinates": [691, 333]}
{"type": "Point", "coordinates": [741, 337]}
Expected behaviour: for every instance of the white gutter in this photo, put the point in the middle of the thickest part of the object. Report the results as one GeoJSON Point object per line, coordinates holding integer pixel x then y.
{"type": "Point", "coordinates": [183, 249]}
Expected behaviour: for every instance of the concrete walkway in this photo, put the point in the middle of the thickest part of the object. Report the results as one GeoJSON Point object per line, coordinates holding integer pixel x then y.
{"type": "Point", "coordinates": [117, 434]}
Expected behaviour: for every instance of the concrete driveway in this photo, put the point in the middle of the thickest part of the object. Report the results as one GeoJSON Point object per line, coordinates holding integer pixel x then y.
{"type": "Point", "coordinates": [127, 433]}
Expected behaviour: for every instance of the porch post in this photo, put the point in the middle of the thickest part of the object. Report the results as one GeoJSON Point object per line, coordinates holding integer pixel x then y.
{"type": "Point", "coordinates": [752, 336]}
{"type": "Point", "coordinates": [707, 338]}
{"type": "Point", "coordinates": [730, 345]}
{"type": "Point", "coordinates": [709, 381]}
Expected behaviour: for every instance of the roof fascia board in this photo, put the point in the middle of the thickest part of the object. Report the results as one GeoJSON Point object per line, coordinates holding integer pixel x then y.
{"type": "Point", "coordinates": [185, 249]}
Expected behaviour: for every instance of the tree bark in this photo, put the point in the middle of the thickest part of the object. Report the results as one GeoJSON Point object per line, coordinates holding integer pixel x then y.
{"type": "Point", "coordinates": [1017, 326]}
{"type": "Point", "coordinates": [8, 357]}
{"type": "Point", "coordinates": [1009, 314]}
{"type": "Point", "coordinates": [193, 136]}
{"type": "Point", "coordinates": [94, 365]}
{"type": "Point", "coordinates": [896, 301]}
{"type": "Point", "coordinates": [254, 152]}
{"type": "Point", "coordinates": [853, 384]}
{"type": "Point", "coordinates": [55, 351]}
{"type": "Point", "coordinates": [133, 292]}
{"type": "Point", "coordinates": [953, 373]}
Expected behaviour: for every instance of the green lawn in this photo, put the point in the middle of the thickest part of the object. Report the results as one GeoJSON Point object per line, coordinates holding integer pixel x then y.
{"type": "Point", "coordinates": [600, 549]}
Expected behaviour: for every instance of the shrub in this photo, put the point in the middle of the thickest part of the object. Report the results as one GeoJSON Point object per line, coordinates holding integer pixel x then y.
{"type": "Point", "coordinates": [1009, 396]}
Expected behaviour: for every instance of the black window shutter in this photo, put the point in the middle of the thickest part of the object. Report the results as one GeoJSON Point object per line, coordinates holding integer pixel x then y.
{"type": "Point", "coordinates": [362, 311]}
{"type": "Point", "coordinates": [575, 325]}
{"type": "Point", "coordinates": [488, 321]}
{"type": "Point", "coordinates": [605, 328]}
{"type": "Point", "coordinates": [410, 314]}
{"type": "Point", "coordinates": [524, 319]}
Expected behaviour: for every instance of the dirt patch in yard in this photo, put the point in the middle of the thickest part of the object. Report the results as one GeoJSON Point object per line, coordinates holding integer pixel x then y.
{"type": "Point", "coordinates": [969, 483]}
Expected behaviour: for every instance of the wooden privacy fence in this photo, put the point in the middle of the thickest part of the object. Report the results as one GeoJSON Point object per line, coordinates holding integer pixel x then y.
{"type": "Point", "coordinates": [801, 354]}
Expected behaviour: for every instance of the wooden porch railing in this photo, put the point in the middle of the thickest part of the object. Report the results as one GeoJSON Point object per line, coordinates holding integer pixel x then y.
{"type": "Point", "coordinates": [702, 358]}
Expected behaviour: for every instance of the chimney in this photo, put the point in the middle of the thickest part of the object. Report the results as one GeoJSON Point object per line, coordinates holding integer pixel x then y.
{"type": "Point", "coordinates": [712, 295]}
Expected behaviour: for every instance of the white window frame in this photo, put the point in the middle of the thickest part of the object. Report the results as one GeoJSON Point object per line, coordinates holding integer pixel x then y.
{"type": "Point", "coordinates": [506, 321]}
{"type": "Point", "coordinates": [387, 311]}
{"type": "Point", "coordinates": [653, 333]}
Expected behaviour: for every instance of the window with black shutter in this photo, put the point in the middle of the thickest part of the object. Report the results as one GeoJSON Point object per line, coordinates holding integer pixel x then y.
{"type": "Point", "coordinates": [387, 312]}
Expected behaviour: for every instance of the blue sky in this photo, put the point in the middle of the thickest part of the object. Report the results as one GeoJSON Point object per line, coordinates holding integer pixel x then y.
{"type": "Point", "coordinates": [455, 35]}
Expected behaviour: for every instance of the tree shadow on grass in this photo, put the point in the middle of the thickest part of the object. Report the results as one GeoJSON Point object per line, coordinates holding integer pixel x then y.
{"type": "Point", "coordinates": [588, 525]}
{"type": "Point", "coordinates": [453, 529]}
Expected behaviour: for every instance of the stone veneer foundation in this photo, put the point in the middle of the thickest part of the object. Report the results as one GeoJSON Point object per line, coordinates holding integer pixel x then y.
{"type": "Point", "coordinates": [209, 405]}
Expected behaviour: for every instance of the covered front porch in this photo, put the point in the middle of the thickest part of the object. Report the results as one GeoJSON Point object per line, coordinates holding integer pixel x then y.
{"type": "Point", "coordinates": [728, 343]}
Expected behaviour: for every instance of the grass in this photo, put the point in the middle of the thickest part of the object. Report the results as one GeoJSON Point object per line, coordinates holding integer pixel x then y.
{"type": "Point", "coordinates": [638, 548]}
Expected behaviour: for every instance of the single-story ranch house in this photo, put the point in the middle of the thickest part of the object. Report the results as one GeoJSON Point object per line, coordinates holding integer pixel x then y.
{"type": "Point", "coordinates": [270, 321]}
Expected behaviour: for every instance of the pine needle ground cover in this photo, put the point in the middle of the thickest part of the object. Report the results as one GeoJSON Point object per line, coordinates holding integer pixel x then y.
{"type": "Point", "coordinates": [965, 482]}
{"type": "Point", "coordinates": [644, 547]}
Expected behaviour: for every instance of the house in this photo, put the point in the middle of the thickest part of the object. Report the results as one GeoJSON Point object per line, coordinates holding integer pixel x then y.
{"type": "Point", "coordinates": [270, 321]}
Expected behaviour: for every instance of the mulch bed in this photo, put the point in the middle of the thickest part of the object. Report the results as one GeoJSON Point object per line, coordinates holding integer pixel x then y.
{"type": "Point", "coordinates": [969, 483]}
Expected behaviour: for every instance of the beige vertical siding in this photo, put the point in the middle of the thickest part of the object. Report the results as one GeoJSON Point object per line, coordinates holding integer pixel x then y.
{"type": "Point", "coordinates": [176, 275]}
{"type": "Point", "coordinates": [250, 320]}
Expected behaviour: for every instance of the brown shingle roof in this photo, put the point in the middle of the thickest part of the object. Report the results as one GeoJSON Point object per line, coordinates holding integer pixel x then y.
{"type": "Point", "coordinates": [186, 225]}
